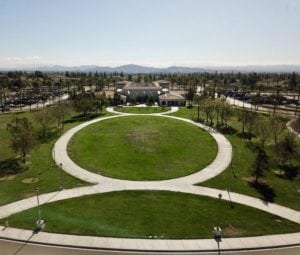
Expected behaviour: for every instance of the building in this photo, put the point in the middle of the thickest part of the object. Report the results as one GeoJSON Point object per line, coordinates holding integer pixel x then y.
{"type": "Point", "coordinates": [150, 92]}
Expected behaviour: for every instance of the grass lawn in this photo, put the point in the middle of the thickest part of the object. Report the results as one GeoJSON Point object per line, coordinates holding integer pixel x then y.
{"type": "Point", "coordinates": [281, 190]}
{"type": "Point", "coordinates": [40, 167]}
{"type": "Point", "coordinates": [141, 214]}
{"type": "Point", "coordinates": [142, 148]}
{"type": "Point", "coordinates": [142, 110]}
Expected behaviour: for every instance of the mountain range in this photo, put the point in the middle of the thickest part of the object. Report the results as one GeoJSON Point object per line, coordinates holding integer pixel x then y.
{"type": "Point", "coordinates": [131, 68]}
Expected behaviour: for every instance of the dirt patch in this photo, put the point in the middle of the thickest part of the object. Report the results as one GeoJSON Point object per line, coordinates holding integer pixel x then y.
{"type": "Point", "coordinates": [232, 231]}
{"type": "Point", "coordinates": [8, 178]}
{"type": "Point", "coordinates": [30, 180]}
{"type": "Point", "coordinates": [27, 195]}
{"type": "Point", "coordinates": [142, 137]}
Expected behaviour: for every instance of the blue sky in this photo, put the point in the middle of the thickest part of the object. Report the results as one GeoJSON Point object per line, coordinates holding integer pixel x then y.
{"type": "Point", "coordinates": [149, 32]}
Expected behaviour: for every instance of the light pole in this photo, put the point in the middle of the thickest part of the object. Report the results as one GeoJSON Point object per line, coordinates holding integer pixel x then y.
{"type": "Point", "coordinates": [38, 204]}
{"type": "Point", "coordinates": [217, 231]}
{"type": "Point", "coordinates": [198, 109]}
{"type": "Point", "coordinates": [39, 223]}
{"type": "Point", "coordinates": [219, 211]}
{"type": "Point", "coordinates": [61, 177]}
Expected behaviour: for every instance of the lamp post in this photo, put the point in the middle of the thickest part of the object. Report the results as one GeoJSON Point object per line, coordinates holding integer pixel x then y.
{"type": "Point", "coordinates": [61, 177]}
{"type": "Point", "coordinates": [39, 223]}
{"type": "Point", "coordinates": [198, 107]}
{"type": "Point", "coordinates": [217, 231]}
{"type": "Point", "coordinates": [219, 207]}
{"type": "Point", "coordinates": [38, 204]}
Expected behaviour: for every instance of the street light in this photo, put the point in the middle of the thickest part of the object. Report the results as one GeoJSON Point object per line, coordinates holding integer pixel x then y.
{"type": "Point", "coordinates": [61, 177]}
{"type": "Point", "coordinates": [39, 223]}
{"type": "Point", "coordinates": [217, 231]}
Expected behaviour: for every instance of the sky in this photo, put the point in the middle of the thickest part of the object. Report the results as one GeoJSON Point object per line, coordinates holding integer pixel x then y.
{"type": "Point", "coordinates": [149, 32]}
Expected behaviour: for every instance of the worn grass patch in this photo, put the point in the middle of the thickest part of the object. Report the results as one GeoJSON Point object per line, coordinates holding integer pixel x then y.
{"type": "Point", "coordinates": [142, 110]}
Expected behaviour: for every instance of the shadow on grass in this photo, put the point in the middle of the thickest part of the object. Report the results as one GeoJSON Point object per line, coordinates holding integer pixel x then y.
{"type": "Point", "coordinates": [264, 189]}
{"type": "Point", "coordinates": [246, 135]}
{"type": "Point", "coordinates": [290, 172]}
{"type": "Point", "coordinates": [226, 130]}
{"type": "Point", "coordinates": [82, 117]}
{"type": "Point", "coordinates": [11, 166]}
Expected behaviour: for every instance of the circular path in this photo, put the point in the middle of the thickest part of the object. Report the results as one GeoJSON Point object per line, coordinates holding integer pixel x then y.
{"type": "Point", "coordinates": [183, 184]}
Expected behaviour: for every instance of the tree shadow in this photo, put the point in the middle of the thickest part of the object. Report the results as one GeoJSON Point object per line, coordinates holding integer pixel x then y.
{"type": "Point", "coordinates": [11, 166]}
{"type": "Point", "coordinates": [264, 189]}
{"type": "Point", "coordinates": [226, 130]}
{"type": "Point", "coordinates": [246, 135]}
{"type": "Point", "coordinates": [290, 172]}
{"type": "Point", "coordinates": [49, 136]}
{"type": "Point", "coordinates": [82, 117]}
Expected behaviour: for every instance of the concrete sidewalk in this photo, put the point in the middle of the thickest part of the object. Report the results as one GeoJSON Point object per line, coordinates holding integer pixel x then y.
{"type": "Point", "coordinates": [182, 184]}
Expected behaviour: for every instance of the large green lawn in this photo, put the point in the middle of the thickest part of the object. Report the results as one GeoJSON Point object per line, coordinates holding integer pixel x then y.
{"type": "Point", "coordinates": [40, 166]}
{"type": "Point", "coordinates": [152, 213]}
{"type": "Point", "coordinates": [142, 110]}
{"type": "Point", "coordinates": [283, 191]}
{"type": "Point", "coordinates": [142, 148]}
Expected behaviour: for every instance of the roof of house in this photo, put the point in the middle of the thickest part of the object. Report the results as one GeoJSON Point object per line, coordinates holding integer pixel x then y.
{"type": "Point", "coordinates": [171, 96]}
{"type": "Point", "coordinates": [141, 86]}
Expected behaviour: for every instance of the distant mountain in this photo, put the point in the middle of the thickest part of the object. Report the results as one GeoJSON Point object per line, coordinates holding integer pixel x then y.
{"type": "Point", "coordinates": [172, 69]}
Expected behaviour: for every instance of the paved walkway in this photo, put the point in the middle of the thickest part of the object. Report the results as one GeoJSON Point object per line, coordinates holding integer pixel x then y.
{"type": "Point", "coordinates": [289, 126]}
{"type": "Point", "coordinates": [182, 184]}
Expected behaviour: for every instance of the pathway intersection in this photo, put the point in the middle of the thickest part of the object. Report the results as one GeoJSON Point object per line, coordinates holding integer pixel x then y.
{"type": "Point", "coordinates": [184, 184]}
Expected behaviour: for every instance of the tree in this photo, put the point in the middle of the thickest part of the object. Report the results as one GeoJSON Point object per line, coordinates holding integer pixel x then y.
{"type": "Point", "coordinates": [59, 113]}
{"type": "Point", "coordinates": [242, 118]}
{"type": "Point", "coordinates": [226, 112]}
{"type": "Point", "coordinates": [190, 94]}
{"type": "Point", "coordinates": [262, 130]}
{"type": "Point", "coordinates": [45, 119]}
{"type": "Point", "coordinates": [288, 149]}
{"type": "Point", "coordinates": [22, 136]}
{"type": "Point", "coordinates": [260, 165]}
{"type": "Point", "coordinates": [209, 109]}
{"type": "Point", "coordinates": [250, 118]}
{"type": "Point", "coordinates": [277, 125]}
{"type": "Point", "coordinates": [292, 81]}
{"type": "Point", "coordinates": [84, 103]}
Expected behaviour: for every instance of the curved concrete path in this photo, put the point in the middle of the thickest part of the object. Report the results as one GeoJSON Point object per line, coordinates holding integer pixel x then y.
{"type": "Point", "coordinates": [182, 184]}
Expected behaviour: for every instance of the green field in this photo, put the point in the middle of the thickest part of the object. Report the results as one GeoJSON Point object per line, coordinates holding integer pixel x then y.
{"type": "Point", "coordinates": [281, 190]}
{"type": "Point", "coordinates": [141, 214]}
{"type": "Point", "coordinates": [142, 148]}
{"type": "Point", "coordinates": [142, 110]}
{"type": "Point", "coordinates": [40, 167]}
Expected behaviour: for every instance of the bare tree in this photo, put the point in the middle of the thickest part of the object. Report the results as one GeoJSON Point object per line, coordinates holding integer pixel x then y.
{"type": "Point", "coordinates": [262, 130]}
{"type": "Point", "coordinates": [277, 125]}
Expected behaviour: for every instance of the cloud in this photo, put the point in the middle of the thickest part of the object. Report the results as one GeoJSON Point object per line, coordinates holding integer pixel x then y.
{"type": "Point", "coordinates": [19, 61]}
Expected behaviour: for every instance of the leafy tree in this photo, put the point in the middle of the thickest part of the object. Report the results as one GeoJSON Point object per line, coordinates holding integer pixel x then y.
{"type": "Point", "coordinates": [250, 118]}
{"type": "Point", "coordinates": [260, 165]}
{"type": "Point", "coordinates": [292, 81]}
{"type": "Point", "coordinates": [242, 118]}
{"type": "Point", "coordinates": [262, 130]}
{"type": "Point", "coordinates": [277, 126]}
{"type": "Point", "coordinates": [209, 109]}
{"type": "Point", "coordinates": [46, 120]}
{"type": "Point", "coordinates": [22, 136]}
{"type": "Point", "coordinates": [226, 112]}
{"type": "Point", "coordinates": [288, 149]}
{"type": "Point", "coordinates": [190, 94]}
{"type": "Point", "coordinates": [60, 112]}
{"type": "Point", "coordinates": [84, 103]}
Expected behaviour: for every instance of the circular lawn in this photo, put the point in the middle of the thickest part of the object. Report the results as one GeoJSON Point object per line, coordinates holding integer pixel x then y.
{"type": "Point", "coordinates": [142, 148]}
